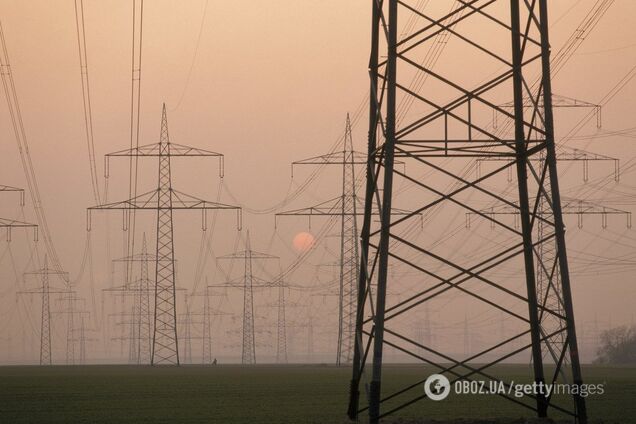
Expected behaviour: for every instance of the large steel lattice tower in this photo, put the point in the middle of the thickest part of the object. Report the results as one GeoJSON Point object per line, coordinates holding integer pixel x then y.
{"type": "Point", "coordinates": [441, 134]}
{"type": "Point", "coordinates": [247, 283]}
{"type": "Point", "coordinates": [141, 317]}
{"type": "Point", "coordinates": [45, 290]}
{"type": "Point", "coordinates": [348, 207]}
{"type": "Point", "coordinates": [345, 207]}
{"type": "Point", "coordinates": [164, 200]}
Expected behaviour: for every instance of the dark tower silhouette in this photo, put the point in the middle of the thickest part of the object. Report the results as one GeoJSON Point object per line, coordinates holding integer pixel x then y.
{"type": "Point", "coordinates": [164, 199]}
{"type": "Point", "coordinates": [446, 123]}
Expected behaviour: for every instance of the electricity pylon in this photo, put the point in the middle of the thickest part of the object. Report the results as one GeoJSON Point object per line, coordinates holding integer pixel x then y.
{"type": "Point", "coordinates": [281, 304]}
{"type": "Point", "coordinates": [281, 327]}
{"type": "Point", "coordinates": [142, 310]}
{"type": "Point", "coordinates": [164, 199]}
{"type": "Point", "coordinates": [206, 315]}
{"type": "Point", "coordinates": [82, 339]}
{"type": "Point", "coordinates": [68, 307]}
{"type": "Point", "coordinates": [348, 207]}
{"type": "Point", "coordinates": [548, 282]}
{"type": "Point", "coordinates": [186, 321]}
{"type": "Point", "coordinates": [141, 315]}
{"type": "Point", "coordinates": [45, 290]}
{"type": "Point", "coordinates": [548, 287]}
{"type": "Point", "coordinates": [510, 45]}
{"type": "Point", "coordinates": [248, 282]}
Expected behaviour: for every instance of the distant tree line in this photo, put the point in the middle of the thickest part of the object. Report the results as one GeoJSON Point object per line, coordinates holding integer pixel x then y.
{"type": "Point", "coordinates": [617, 346]}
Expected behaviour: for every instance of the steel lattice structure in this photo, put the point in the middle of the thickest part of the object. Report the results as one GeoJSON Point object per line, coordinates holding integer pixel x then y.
{"type": "Point", "coordinates": [507, 43]}
{"type": "Point", "coordinates": [281, 327]}
{"type": "Point", "coordinates": [348, 206]}
{"type": "Point", "coordinates": [164, 200]}
{"type": "Point", "coordinates": [565, 154]}
{"type": "Point", "coordinates": [45, 290]}
{"type": "Point", "coordinates": [140, 340]}
{"type": "Point", "coordinates": [206, 313]}
{"type": "Point", "coordinates": [247, 283]}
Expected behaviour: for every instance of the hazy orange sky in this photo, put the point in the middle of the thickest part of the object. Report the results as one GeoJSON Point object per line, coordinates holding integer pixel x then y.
{"type": "Point", "coordinates": [271, 82]}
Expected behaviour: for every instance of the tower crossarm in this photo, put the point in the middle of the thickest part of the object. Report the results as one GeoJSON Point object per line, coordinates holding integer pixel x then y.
{"type": "Point", "coordinates": [136, 286]}
{"type": "Point", "coordinates": [7, 188]}
{"type": "Point", "coordinates": [48, 271]}
{"type": "Point", "coordinates": [558, 101]}
{"type": "Point", "coordinates": [180, 201]}
{"type": "Point", "coordinates": [13, 223]}
{"type": "Point", "coordinates": [564, 153]}
{"type": "Point", "coordinates": [341, 158]}
{"type": "Point", "coordinates": [238, 283]}
{"type": "Point", "coordinates": [334, 158]}
{"type": "Point", "coordinates": [250, 253]}
{"type": "Point", "coordinates": [39, 290]}
{"type": "Point", "coordinates": [138, 257]}
{"type": "Point", "coordinates": [333, 207]}
{"type": "Point", "coordinates": [569, 206]}
{"type": "Point", "coordinates": [154, 150]}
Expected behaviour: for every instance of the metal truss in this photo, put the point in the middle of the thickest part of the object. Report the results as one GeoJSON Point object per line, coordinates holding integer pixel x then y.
{"type": "Point", "coordinates": [164, 200]}
{"type": "Point", "coordinates": [348, 206]}
{"type": "Point", "coordinates": [558, 101]}
{"type": "Point", "coordinates": [505, 46]}
{"type": "Point", "coordinates": [140, 341]}
{"type": "Point", "coordinates": [206, 315]}
{"type": "Point", "coordinates": [565, 153]}
{"type": "Point", "coordinates": [45, 290]}
{"type": "Point", "coordinates": [247, 283]}
{"type": "Point", "coordinates": [577, 207]}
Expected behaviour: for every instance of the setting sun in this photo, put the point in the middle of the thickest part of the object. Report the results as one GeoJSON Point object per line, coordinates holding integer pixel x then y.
{"type": "Point", "coordinates": [303, 241]}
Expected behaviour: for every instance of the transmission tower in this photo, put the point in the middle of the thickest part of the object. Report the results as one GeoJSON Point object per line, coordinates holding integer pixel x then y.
{"type": "Point", "coordinates": [138, 316]}
{"type": "Point", "coordinates": [45, 290]}
{"type": "Point", "coordinates": [248, 283]}
{"type": "Point", "coordinates": [141, 315]}
{"type": "Point", "coordinates": [281, 333]}
{"type": "Point", "coordinates": [144, 310]}
{"type": "Point", "coordinates": [445, 124]}
{"type": "Point", "coordinates": [348, 207]}
{"type": "Point", "coordinates": [82, 339]}
{"type": "Point", "coordinates": [206, 314]}
{"type": "Point", "coordinates": [549, 286]}
{"type": "Point", "coordinates": [164, 199]}
{"type": "Point", "coordinates": [282, 304]}
{"type": "Point", "coordinates": [68, 307]}
{"type": "Point", "coordinates": [186, 321]}
{"type": "Point", "coordinates": [307, 325]}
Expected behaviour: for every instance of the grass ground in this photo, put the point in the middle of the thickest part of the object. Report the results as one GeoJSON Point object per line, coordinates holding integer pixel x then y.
{"type": "Point", "coordinates": [261, 394]}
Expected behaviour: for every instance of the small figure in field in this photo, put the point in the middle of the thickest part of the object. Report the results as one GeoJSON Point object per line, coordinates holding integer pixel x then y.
{"type": "Point", "coordinates": [214, 362]}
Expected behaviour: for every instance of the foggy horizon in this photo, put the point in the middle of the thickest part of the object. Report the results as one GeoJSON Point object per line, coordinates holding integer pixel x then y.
{"type": "Point", "coordinates": [268, 85]}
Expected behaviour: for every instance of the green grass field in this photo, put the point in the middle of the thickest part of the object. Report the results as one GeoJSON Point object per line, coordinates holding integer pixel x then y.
{"type": "Point", "coordinates": [260, 394]}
